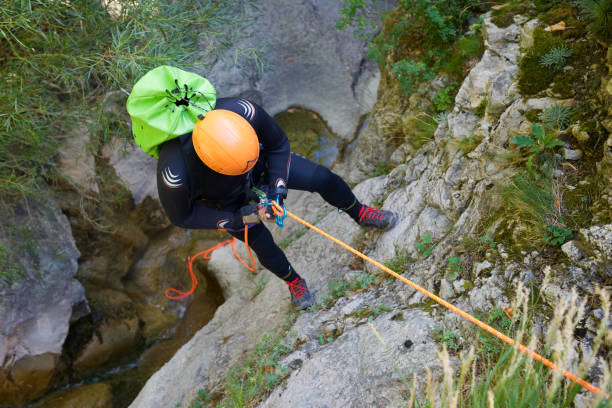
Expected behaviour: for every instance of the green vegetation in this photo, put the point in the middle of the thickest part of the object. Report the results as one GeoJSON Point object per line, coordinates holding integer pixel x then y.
{"type": "Point", "coordinates": [537, 141]}
{"type": "Point", "coordinates": [400, 261]}
{"type": "Point", "coordinates": [448, 339]}
{"type": "Point", "coordinates": [59, 61]}
{"type": "Point", "coordinates": [21, 242]}
{"type": "Point", "coordinates": [556, 117]}
{"type": "Point", "coordinates": [424, 38]}
{"type": "Point", "coordinates": [260, 373]}
{"type": "Point", "coordinates": [532, 78]}
{"type": "Point", "coordinates": [425, 245]}
{"type": "Point", "coordinates": [466, 144]}
{"type": "Point", "coordinates": [420, 128]}
{"type": "Point", "coordinates": [369, 313]}
{"type": "Point", "coordinates": [512, 379]}
{"type": "Point", "coordinates": [258, 286]}
{"type": "Point", "coordinates": [411, 73]}
{"type": "Point", "coordinates": [490, 347]}
{"type": "Point", "coordinates": [598, 14]}
{"type": "Point", "coordinates": [340, 287]}
{"type": "Point", "coordinates": [285, 242]}
{"type": "Point", "coordinates": [556, 58]}
{"type": "Point", "coordinates": [535, 204]}
{"type": "Point", "coordinates": [455, 268]}
{"type": "Point", "coordinates": [482, 107]}
{"type": "Point", "coordinates": [248, 382]}
{"type": "Point", "coordinates": [382, 168]}
{"type": "Point", "coordinates": [202, 399]}
{"type": "Point", "coordinates": [504, 16]}
{"type": "Point", "coordinates": [444, 99]}
{"type": "Point", "coordinates": [557, 234]}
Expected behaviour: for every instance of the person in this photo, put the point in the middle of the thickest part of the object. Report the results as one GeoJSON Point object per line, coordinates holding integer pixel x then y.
{"type": "Point", "coordinates": [204, 179]}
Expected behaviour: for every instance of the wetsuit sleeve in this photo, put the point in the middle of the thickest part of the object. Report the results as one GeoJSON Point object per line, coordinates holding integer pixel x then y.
{"type": "Point", "coordinates": [274, 141]}
{"type": "Point", "coordinates": [175, 197]}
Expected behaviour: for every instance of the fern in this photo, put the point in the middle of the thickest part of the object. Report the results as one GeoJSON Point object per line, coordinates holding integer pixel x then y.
{"type": "Point", "coordinates": [598, 13]}
{"type": "Point", "coordinates": [556, 117]}
{"type": "Point", "coordinates": [556, 58]}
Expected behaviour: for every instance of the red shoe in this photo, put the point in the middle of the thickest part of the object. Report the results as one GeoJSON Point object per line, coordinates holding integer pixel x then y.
{"type": "Point", "coordinates": [375, 217]}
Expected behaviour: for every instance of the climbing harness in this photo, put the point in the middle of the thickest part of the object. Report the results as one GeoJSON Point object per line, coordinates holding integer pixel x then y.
{"type": "Point", "coordinates": [281, 213]}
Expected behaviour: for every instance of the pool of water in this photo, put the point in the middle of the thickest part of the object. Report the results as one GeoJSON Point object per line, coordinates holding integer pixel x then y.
{"type": "Point", "coordinates": [309, 135]}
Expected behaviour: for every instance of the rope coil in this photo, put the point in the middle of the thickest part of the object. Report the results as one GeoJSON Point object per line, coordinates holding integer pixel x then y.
{"type": "Point", "coordinates": [206, 255]}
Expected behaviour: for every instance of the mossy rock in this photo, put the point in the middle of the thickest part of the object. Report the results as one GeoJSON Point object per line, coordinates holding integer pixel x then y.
{"type": "Point", "coordinates": [533, 78]}
{"type": "Point", "coordinates": [481, 109]}
{"type": "Point", "coordinates": [533, 115]}
{"type": "Point", "coordinates": [504, 16]}
{"type": "Point", "coordinates": [569, 15]}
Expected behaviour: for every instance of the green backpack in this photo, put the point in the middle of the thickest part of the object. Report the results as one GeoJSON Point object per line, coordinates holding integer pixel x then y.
{"type": "Point", "coordinates": [166, 103]}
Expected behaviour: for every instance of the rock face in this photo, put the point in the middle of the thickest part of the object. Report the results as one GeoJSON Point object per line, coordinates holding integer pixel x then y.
{"type": "Point", "coordinates": [299, 43]}
{"type": "Point", "coordinates": [242, 319]}
{"type": "Point", "coordinates": [439, 191]}
{"type": "Point", "coordinates": [37, 308]}
{"type": "Point", "coordinates": [90, 396]}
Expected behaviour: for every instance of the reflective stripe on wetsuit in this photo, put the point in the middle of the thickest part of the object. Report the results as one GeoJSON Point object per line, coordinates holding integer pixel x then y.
{"type": "Point", "coordinates": [183, 180]}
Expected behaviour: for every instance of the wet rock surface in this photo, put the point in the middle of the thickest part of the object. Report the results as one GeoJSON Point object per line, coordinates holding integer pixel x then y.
{"type": "Point", "coordinates": [37, 306]}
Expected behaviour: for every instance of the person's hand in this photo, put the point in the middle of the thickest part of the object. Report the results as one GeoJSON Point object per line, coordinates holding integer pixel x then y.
{"type": "Point", "coordinates": [277, 194]}
{"type": "Point", "coordinates": [266, 213]}
{"type": "Point", "coordinates": [250, 214]}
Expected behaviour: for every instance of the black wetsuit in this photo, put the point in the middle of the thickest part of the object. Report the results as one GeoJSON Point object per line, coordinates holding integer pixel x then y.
{"type": "Point", "coordinates": [194, 196]}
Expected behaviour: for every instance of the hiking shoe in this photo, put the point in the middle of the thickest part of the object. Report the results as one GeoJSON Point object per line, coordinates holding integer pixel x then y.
{"type": "Point", "coordinates": [300, 295]}
{"type": "Point", "coordinates": [375, 217]}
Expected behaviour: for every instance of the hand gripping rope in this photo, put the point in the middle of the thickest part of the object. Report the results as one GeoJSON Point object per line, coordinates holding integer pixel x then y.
{"type": "Point", "coordinates": [281, 213]}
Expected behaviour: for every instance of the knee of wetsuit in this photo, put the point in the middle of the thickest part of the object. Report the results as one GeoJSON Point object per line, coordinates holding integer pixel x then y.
{"type": "Point", "coordinates": [323, 179]}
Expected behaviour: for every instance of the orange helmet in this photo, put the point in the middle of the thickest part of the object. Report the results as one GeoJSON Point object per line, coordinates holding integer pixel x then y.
{"type": "Point", "coordinates": [226, 142]}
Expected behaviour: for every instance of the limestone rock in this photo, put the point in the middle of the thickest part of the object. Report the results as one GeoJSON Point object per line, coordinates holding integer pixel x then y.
{"type": "Point", "coordinates": [228, 270]}
{"type": "Point", "coordinates": [570, 154]}
{"type": "Point", "coordinates": [446, 289]}
{"type": "Point", "coordinates": [242, 319]}
{"type": "Point", "coordinates": [599, 238]}
{"type": "Point", "coordinates": [502, 41]}
{"type": "Point", "coordinates": [113, 342]}
{"type": "Point", "coordinates": [76, 161]}
{"type": "Point", "coordinates": [135, 168]}
{"type": "Point", "coordinates": [572, 251]}
{"type": "Point", "coordinates": [366, 365]}
{"type": "Point", "coordinates": [36, 310]}
{"type": "Point", "coordinates": [96, 395]}
{"type": "Point", "coordinates": [304, 44]}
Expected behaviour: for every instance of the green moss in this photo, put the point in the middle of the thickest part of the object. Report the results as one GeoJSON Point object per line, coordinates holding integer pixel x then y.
{"type": "Point", "coordinates": [465, 49]}
{"type": "Point", "coordinates": [532, 77]}
{"type": "Point", "coordinates": [544, 5]}
{"type": "Point", "coordinates": [533, 115]}
{"type": "Point", "coordinates": [467, 285]}
{"type": "Point", "coordinates": [504, 16]}
{"type": "Point", "coordinates": [482, 107]}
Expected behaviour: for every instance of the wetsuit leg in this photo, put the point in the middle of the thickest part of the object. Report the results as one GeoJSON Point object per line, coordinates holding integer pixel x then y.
{"type": "Point", "coordinates": [307, 175]}
{"type": "Point", "coordinates": [268, 253]}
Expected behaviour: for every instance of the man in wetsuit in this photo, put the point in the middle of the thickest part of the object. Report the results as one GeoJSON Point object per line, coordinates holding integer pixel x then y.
{"type": "Point", "coordinates": [204, 179]}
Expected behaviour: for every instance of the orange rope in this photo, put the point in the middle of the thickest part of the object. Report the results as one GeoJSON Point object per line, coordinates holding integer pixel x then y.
{"type": "Point", "coordinates": [477, 322]}
{"type": "Point", "coordinates": [206, 255]}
